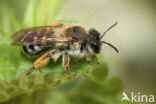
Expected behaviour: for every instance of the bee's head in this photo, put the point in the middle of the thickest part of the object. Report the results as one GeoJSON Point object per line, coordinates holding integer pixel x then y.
{"type": "Point", "coordinates": [95, 40]}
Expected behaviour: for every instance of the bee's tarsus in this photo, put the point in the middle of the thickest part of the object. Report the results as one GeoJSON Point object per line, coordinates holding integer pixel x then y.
{"type": "Point", "coordinates": [67, 70]}
{"type": "Point", "coordinates": [30, 70]}
{"type": "Point", "coordinates": [89, 57]}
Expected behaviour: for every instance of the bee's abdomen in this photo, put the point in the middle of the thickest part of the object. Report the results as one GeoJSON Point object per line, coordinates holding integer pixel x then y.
{"type": "Point", "coordinates": [35, 49]}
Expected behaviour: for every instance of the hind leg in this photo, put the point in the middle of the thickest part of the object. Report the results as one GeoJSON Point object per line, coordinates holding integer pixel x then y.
{"type": "Point", "coordinates": [43, 60]}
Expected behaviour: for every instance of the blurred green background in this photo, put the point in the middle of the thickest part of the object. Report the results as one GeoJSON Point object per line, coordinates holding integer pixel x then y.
{"type": "Point", "coordinates": [134, 36]}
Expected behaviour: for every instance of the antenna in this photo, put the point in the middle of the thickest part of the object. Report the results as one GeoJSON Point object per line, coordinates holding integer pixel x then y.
{"type": "Point", "coordinates": [109, 29]}
{"type": "Point", "coordinates": [111, 46]}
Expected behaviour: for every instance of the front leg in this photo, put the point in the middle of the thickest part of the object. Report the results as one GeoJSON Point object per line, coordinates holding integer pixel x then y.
{"type": "Point", "coordinates": [88, 57]}
{"type": "Point", "coordinates": [65, 62]}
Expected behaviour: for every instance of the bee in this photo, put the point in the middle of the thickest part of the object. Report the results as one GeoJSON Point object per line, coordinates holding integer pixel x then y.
{"type": "Point", "coordinates": [62, 39]}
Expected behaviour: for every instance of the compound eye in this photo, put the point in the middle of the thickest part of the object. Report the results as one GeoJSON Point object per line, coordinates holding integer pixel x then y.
{"type": "Point", "coordinates": [93, 44]}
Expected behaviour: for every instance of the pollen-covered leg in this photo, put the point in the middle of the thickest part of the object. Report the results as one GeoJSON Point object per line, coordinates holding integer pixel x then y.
{"type": "Point", "coordinates": [43, 60]}
{"type": "Point", "coordinates": [65, 62]}
{"type": "Point", "coordinates": [39, 63]}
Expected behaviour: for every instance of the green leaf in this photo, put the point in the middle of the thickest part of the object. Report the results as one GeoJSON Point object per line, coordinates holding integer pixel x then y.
{"type": "Point", "coordinates": [95, 88]}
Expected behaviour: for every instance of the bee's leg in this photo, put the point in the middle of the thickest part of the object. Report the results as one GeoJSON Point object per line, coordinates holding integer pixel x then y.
{"type": "Point", "coordinates": [39, 63]}
{"type": "Point", "coordinates": [56, 24]}
{"type": "Point", "coordinates": [89, 57]}
{"type": "Point", "coordinates": [43, 60]}
{"type": "Point", "coordinates": [65, 62]}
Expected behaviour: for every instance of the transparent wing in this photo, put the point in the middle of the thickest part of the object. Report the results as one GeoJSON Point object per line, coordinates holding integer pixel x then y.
{"type": "Point", "coordinates": [39, 35]}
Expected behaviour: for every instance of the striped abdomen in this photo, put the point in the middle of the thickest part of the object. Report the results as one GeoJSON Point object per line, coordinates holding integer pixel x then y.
{"type": "Point", "coordinates": [32, 50]}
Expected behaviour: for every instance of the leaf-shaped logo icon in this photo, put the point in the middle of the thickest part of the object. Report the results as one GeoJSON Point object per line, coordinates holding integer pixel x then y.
{"type": "Point", "coordinates": [125, 97]}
